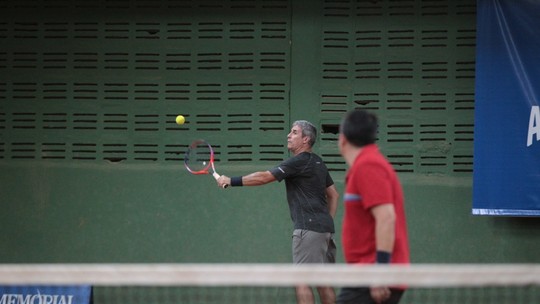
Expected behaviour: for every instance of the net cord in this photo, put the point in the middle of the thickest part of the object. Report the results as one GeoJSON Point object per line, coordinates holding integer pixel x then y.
{"type": "Point", "coordinates": [416, 275]}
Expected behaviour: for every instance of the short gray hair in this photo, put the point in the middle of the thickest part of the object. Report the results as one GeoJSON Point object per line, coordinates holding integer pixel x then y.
{"type": "Point", "coordinates": [308, 129]}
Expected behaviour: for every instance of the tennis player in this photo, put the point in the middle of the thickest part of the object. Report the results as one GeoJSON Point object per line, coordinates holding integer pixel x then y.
{"type": "Point", "coordinates": [374, 224]}
{"type": "Point", "coordinates": [312, 199]}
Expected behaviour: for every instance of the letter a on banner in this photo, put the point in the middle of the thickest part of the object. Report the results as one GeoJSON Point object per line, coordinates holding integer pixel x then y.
{"type": "Point", "coordinates": [534, 125]}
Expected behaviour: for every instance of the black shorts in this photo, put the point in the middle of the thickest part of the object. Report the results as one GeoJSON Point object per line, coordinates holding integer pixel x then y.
{"type": "Point", "coordinates": [362, 295]}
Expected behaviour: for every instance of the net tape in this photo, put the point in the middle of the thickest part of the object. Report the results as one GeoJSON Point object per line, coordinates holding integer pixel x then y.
{"type": "Point", "coordinates": [415, 275]}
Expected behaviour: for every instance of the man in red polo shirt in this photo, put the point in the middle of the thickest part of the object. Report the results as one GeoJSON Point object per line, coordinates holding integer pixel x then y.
{"type": "Point", "coordinates": [374, 224]}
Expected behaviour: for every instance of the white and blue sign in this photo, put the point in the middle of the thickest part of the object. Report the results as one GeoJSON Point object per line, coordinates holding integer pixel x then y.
{"type": "Point", "coordinates": [45, 294]}
{"type": "Point", "coordinates": [507, 116]}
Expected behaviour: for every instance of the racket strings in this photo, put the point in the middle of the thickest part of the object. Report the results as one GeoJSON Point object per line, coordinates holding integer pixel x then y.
{"type": "Point", "coordinates": [199, 158]}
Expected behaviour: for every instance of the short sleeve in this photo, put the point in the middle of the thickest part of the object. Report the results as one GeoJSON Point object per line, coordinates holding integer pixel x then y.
{"type": "Point", "coordinates": [329, 180]}
{"type": "Point", "coordinates": [374, 184]}
{"type": "Point", "coordinates": [279, 172]}
{"type": "Point", "coordinates": [286, 169]}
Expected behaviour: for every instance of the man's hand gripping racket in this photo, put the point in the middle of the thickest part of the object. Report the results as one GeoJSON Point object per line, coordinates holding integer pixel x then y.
{"type": "Point", "coordinates": [199, 159]}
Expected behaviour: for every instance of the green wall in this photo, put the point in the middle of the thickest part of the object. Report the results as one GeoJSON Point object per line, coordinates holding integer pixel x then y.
{"type": "Point", "coordinates": [91, 160]}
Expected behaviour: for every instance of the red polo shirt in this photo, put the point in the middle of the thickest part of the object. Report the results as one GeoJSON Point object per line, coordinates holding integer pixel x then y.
{"type": "Point", "coordinates": [371, 181]}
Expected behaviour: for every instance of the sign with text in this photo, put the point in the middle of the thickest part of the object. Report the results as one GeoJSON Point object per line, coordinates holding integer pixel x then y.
{"type": "Point", "coordinates": [34, 294]}
{"type": "Point", "coordinates": [506, 178]}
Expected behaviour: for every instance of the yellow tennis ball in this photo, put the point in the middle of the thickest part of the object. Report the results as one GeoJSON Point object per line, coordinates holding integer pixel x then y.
{"type": "Point", "coordinates": [180, 119]}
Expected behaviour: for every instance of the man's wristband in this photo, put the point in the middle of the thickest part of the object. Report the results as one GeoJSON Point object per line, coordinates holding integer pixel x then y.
{"type": "Point", "coordinates": [236, 181]}
{"type": "Point", "coordinates": [383, 257]}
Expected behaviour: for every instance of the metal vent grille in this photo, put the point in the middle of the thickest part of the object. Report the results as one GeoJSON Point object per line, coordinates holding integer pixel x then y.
{"type": "Point", "coordinates": [93, 81]}
{"type": "Point", "coordinates": [411, 62]}
{"type": "Point", "coordinates": [83, 135]}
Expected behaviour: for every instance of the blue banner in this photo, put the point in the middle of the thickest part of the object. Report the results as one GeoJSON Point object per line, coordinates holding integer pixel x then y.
{"type": "Point", "coordinates": [507, 117]}
{"type": "Point", "coordinates": [34, 294]}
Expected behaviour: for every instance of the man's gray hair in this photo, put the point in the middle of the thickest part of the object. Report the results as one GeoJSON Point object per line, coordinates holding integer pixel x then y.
{"type": "Point", "coordinates": [308, 129]}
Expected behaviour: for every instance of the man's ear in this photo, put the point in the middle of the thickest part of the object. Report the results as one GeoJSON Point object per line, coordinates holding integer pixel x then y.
{"type": "Point", "coordinates": [341, 140]}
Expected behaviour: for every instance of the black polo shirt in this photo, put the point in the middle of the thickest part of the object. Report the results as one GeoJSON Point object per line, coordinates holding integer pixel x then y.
{"type": "Point", "coordinates": [306, 179]}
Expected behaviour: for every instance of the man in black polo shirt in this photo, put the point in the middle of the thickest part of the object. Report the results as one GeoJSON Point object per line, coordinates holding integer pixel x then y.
{"type": "Point", "coordinates": [312, 199]}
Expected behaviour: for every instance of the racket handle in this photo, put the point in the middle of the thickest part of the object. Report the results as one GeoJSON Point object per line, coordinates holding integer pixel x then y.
{"type": "Point", "coordinates": [216, 176]}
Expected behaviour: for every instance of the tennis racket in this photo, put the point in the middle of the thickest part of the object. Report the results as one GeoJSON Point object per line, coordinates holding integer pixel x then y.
{"type": "Point", "coordinates": [199, 159]}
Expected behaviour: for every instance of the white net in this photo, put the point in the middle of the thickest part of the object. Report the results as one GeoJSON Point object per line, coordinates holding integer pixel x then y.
{"type": "Point", "coordinates": [274, 283]}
